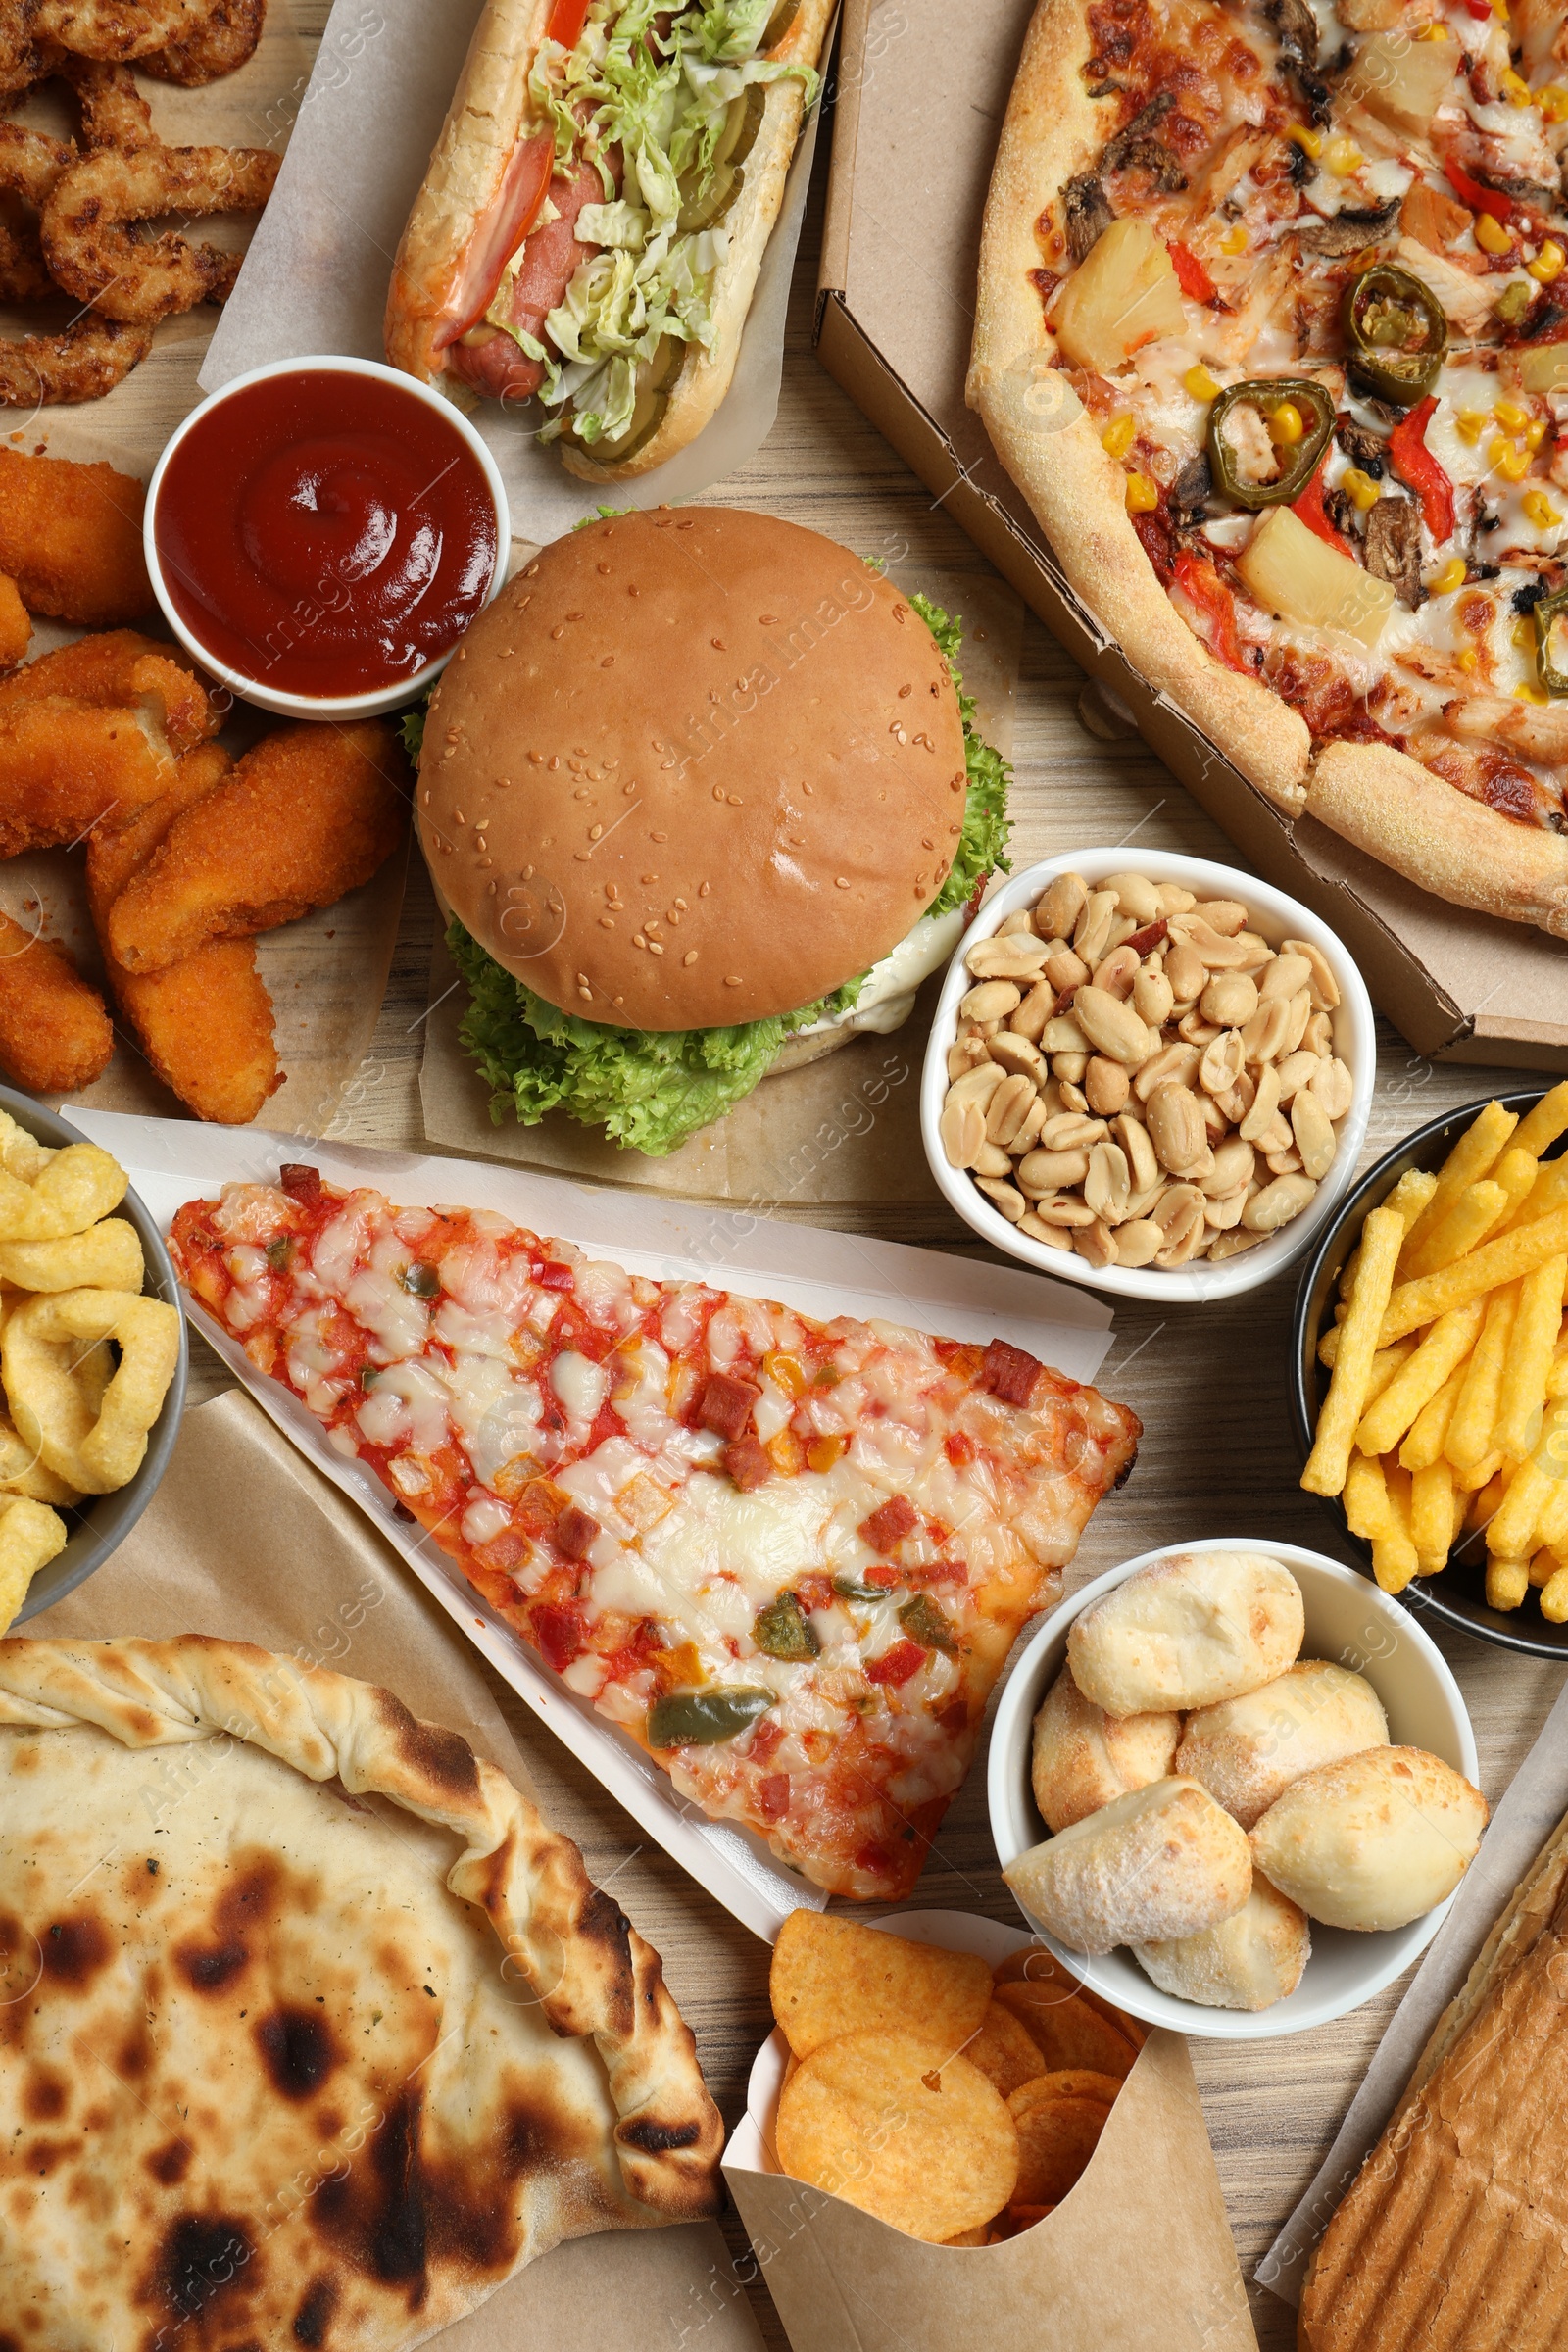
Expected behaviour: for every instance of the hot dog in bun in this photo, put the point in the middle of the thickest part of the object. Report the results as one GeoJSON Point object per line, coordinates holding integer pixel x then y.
{"type": "Point", "coordinates": [595, 214]}
{"type": "Point", "coordinates": [704, 795]}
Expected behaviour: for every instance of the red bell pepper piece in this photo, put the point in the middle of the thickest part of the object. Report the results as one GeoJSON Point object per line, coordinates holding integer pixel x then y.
{"type": "Point", "coordinates": [1416, 464]}
{"type": "Point", "coordinates": [1203, 586]}
{"type": "Point", "coordinates": [568, 17]}
{"type": "Point", "coordinates": [1191, 276]}
{"type": "Point", "coordinates": [896, 1665]}
{"type": "Point", "coordinates": [1470, 192]}
{"type": "Point", "coordinates": [1311, 509]}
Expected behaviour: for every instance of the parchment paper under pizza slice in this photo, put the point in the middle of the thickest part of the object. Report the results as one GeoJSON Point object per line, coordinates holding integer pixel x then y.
{"type": "Point", "coordinates": [1273, 333]}
{"type": "Point", "coordinates": [311, 2031]}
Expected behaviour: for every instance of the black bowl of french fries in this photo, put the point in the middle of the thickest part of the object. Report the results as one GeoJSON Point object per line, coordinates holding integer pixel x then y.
{"type": "Point", "coordinates": [1429, 1370]}
{"type": "Point", "coordinates": [117, 1319]}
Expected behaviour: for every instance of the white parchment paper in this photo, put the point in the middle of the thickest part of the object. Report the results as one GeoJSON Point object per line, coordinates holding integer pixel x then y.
{"type": "Point", "coordinates": [1535, 1802]}
{"type": "Point", "coordinates": [316, 274]}
{"type": "Point", "coordinates": [824, 1274]}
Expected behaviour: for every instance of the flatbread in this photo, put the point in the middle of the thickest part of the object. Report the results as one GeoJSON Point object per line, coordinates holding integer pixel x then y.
{"type": "Point", "coordinates": [1381, 798]}
{"type": "Point", "coordinates": [311, 2031]}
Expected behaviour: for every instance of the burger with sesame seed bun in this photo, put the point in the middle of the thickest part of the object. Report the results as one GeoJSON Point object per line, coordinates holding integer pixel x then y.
{"type": "Point", "coordinates": [704, 797]}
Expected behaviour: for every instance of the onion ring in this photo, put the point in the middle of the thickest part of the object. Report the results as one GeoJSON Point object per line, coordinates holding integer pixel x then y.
{"type": "Point", "coordinates": [106, 1258]}
{"type": "Point", "coordinates": [23, 1473]}
{"type": "Point", "coordinates": [226, 41]}
{"type": "Point", "coordinates": [116, 30]}
{"type": "Point", "coordinates": [83, 361]}
{"type": "Point", "coordinates": [29, 1535]}
{"type": "Point", "coordinates": [114, 111]}
{"type": "Point", "coordinates": [71, 1192]}
{"type": "Point", "coordinates": [51, 1413]}
{"type": "Point", "coordinates": [89, 219]}
{"type": "Point", "coordinates": [30, 163]}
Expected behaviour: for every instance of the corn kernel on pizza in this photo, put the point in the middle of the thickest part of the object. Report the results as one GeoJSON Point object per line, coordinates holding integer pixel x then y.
{"type": "Point", "coordinates": [788, 1557]}
{"type": "Point", "coordinates": [1273, 333]}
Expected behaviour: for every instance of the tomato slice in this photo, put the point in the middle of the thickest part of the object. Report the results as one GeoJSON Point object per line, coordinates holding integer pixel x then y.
{"type": "Point", "coordinates": [568, 17]}
{"type": "Point", "coordinates": [1191, 276]}
{"type": "Point", "coordinates": [498, 237]}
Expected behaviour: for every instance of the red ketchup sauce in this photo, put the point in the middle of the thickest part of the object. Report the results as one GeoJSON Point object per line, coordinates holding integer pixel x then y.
{"type": "Point", "coordinates": [326, 533]}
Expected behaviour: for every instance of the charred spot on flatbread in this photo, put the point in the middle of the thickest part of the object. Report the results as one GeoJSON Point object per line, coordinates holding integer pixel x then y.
{"type": "Point", "coordinates": [75, 1949]}
{"type": "Point", "coordinates": [297, 2050]}
{"type": "Point", "coordinates": [442, 1758]}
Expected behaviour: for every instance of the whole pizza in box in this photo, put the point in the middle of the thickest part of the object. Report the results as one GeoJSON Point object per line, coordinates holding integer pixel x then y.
{"type": "Point", "coordinates": [1273, 333]}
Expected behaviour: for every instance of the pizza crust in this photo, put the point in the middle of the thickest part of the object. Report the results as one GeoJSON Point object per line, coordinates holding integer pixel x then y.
{"type": "Point", "coordinates": [1051, 130]}
{"type": "Point", "coordinates": [1435, 835]}
{"type": "Point", "coordinates": [1376, 796]}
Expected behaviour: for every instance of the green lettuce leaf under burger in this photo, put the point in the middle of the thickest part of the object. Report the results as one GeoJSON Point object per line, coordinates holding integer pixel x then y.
{"type": "Point", "coordinates": [691, 764]}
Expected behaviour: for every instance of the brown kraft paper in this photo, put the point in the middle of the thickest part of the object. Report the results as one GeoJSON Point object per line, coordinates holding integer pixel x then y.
{"type": "Point", "coordinates": [244, 1540]}
{"type": "Point", "coordinates": [1138, 2258]}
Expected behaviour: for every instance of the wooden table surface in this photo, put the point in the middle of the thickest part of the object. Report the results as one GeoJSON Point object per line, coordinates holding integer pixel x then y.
{"type": "Point", "coordinates": [1210, 1383]}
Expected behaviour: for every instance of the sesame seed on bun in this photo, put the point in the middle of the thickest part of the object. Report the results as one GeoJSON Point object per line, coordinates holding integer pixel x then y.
{"type": "Point", "coordinates": [693, 767]}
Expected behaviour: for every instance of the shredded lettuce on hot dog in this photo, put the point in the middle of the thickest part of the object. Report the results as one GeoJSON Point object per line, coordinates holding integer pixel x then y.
{"type": "Point", "coordinates": [662, 99]}
{"type": "Point", "coordinates": [650, 1089]}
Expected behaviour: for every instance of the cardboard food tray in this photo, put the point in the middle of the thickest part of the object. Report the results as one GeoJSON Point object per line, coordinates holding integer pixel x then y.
{"type": "Point", "coordinates": [1138, 2253]}
{"type": "Point", "coordinates": [918, 116]}
{"type": "Point", "coordinates": [171, 1161]}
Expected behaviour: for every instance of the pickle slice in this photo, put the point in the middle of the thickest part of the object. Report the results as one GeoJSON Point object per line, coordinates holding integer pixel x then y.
{"type": "Point", "coordinates": [654, 388]}
{"type": "Point", "coordinates": [779, 23]}
{"type": "Point", "coordinates": [707, 202]}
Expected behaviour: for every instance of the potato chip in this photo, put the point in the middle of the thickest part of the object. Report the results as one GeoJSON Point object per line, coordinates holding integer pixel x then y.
{"type": "Point", "coordinates": [1036, 1964]}
{"type": "Point", "coordinates": [1014, 2220]}
{"type": "Point", "coordinates": [892, 2123]}
{"type": "Point", "coordinates": [979, 2236]}
{"type": "Point", "coordinates": [832, 1977]}
{"type": "Point", "coordinates": [1066, 2031]}
{"type": "Point", "coordinates": [1060, 2118]}
{"type": "Point", "coordinates": [1004, 2050]}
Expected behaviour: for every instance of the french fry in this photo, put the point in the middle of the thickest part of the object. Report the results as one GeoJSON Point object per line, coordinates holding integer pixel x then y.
{"type": "Point", "coordinates": [1548, 1191]}
{"type": "Point", "coordinates": [1554, 1598]}
{"type": "Point", "coordinates": [1415, 1382]}
{"type": "Point", "coordinates": [1366, 1497]}
{"type": "Point", "coordinates": [1557, 1377]}
{"type": "Point", "coordinates": [1408, 1200]}
{"type": "Point", "coordinates": [1512, 1529]}
{"type": "Point", "coordinates": [1470, 1439]}
{"type": "Point", "coordinates": [1522, 1397]}
{"type": "Point", "coordinates": [1395, 1558]}
{"type": "Point", "coordinates": [1430, 1428]}
{"type": "Point", "coordinates": [1543, 1568]}
{"type": "Point", "coordinates": [1473, 1156]}
{"type": "Point", "coordinates": [1380, 1239]}
{"type": "Point", "coordinates": [1385, 1365]}
{"type": "Point", "coordinates": [1431, 1515]}
{"type": "Point", "coordinates": [1507, 1583]}
{"type": "Point", "coordinates": [1500, 1261]}
{"type": "Point", "coordinates": [1479, 1207]}
{"type": "Point", "coordinates": [1540, 1128]}
{"type": "Point", "coordinates": [1485, 1485]}
{"type": "Point", "coordinates": [1517, 1172]}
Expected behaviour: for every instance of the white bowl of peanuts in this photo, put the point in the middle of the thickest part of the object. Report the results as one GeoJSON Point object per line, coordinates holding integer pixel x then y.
{"type": "Point", "coordinates": [1149, 1075]}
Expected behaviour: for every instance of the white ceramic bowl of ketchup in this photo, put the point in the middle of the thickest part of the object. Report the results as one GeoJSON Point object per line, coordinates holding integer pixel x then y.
{"type": "Point", "coordinates": [299, 637]}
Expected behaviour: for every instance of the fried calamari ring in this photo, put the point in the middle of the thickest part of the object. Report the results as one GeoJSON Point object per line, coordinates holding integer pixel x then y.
{"type": "Point", "coordinates": [72, 1191]}
{"type": "Point", "coordinates": [23, 1473]}
{"type": "Point", "coordinates": [89, 239]}
{"type": "Point", "coordinates": [30, 164]}
{"type": "Point", "coordinates": [106, 1258]}
{"type": "Point", "coordinates": [118, 29]}
{"type": "Point", "coordinates": [52, 1412]}
{"type": "Point", "coordinates": [114, 111]}
{"type": "Point", "coordinates": [226, 41]}
{"type": "Point", "coordinates": [20, 1153]}
{"type": "Point", "coordinates": [83, 361]}
{"type": "Point", "coordinates": [30, 1535]}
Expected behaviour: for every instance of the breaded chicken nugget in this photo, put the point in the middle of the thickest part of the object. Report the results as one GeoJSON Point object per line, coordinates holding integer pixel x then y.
{"type": "Point", "coordinates": [206, 1022]}
{"type": "Point", "coordinates": [310, 813]}
{"type": "Point", "coordinates": [16, 629]}
{"type": "Point", "coordinates": [54, 1030]}
{"type": "Point", "coordinates": [71, 538]}
{"type": "Point", "coordinates": [65, 766]}
{"type": "Point", "coordinates": [121, 670]}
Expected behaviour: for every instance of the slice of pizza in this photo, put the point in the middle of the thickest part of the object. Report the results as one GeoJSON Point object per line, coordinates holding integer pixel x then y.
{"type": "Point", "coordinates": [788, 1557]}
{"type": "Point", "coordinates": [1272, 331]}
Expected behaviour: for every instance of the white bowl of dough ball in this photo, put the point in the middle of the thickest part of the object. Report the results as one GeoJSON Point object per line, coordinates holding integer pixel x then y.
{"type": "Point", "coordinates": [1147, 1073]}
{"type": "Point", "coordinates": [1234, 1787]}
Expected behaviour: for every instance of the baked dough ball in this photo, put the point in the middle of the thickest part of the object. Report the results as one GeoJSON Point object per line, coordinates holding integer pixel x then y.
{"type": "Point", "coordinates": [1249, 1961]}
{"type": "Point", "coordinates": [1083, 1757]}
{"type": "Point", "coordinates": [1161, 1862]}
{"type": "Point", "coordinates": [1246, 1751]}
{"type": "Point", "coordinates": [1373, 1840]}
{"type": "Point", "coordinates": [1187, 1631]}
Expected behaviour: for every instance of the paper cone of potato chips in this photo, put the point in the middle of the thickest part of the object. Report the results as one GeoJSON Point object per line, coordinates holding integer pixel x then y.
{"type": "Point", "coordinates": [1137, 2255]}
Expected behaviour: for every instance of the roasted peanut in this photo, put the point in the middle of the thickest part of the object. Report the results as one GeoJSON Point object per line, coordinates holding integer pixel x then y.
{"type": "Point", "coordinates": [1052, 1236]}
{"type": "Point", "coordinates": [1173, 1065]}
{"type": "Point", "coordinates": [977, 1085]}
{"type": "Point", "coordinates": [1040, 1172]}
{"type": "Point", "coordinates": [1284, 976]}
{"type": "Point", "coordinates": [1325, 988]}
{"type": "Point", "coordinates": [1116, 972]}
{"type": "Point", "coordinates": [1096, 1242]}
{"type": "Point", "coordinates": [991, 1001]}
{"type": "Point", "coordinates": [967, 1054]}
{"type": "Point", "coordinates": [1014, 1053]}
{"type": "Point", "coordinates": [1112, 1027]}
{"type": "Point", "coordinates": [1152, 997]}
{"type": "Point", "coordinates": [1063, 1208]}
{"type": "Point", "coordinates": [1228, 1000]}
{"type": "Point", "coordinates": [1231, 1245]}
{"type": "Point", "coordinates": [1215, 951]}
{"type": "Point", "coordinates": [1072, 1098]}
{"type": "Point", "coordinates": [1138, 1242]}
{"type": "Point", "coordinates": [1313, 1130]}
{"type": "Point", "coordinates": [1106, 1086]}
{"type": "Point", "coordinates": [1254, 952]}
{"type": "Point", "coordinates": [1090, 935]}
{"type": "Point", "coordinates": [1216, 1126]}
{"type": "Point", "coordinates": [1136, 895]}
{"type": "Point", "coordinates": [991, 1160]}
{"type": "Point", "coordinates": [1193, 1030]}
{"type": "Point", "coordinates": [1027, 1133]}
{"type": "Point", "coordinates": [1069, 1131]}
{"type": "Point", "coordinates": [1034, 1012]}
{"type": "Point", "coordinates": [1019, 956]}
{"type": "Point", "coordinates": [1319, 1037]}
{"type": "Point", "coordinates": [1142, 1157]}
{"type": "Point", "coordinates": [1187, 973]}
{"type": "Point", "coordinates": [1221, 1215]}
{"type": "Point", "coordinates": [1008, 1109]}
{"type": "Point", "coordinates": [1107, 1187]}
{"type": "Point", "coordinates": [1005, 1196]}
{"type": "Point", "coordinates": [1065, 971]}
{"type": "Point", "coordinates": [1020, 922]}
{"type": "Point", "coordinates": [1277, 1203]}
{"type": "Point", "coordinates": [1334, 1087]}
{"type": "Point", "coordinates": [1297, 1070]}
{"type": "Point", "coordinates": [1265, 1034]}
{"type": "Point", "coordinates": [1227, 916]}
{"type": "Point", "coordinates": [1063, 902]}
{"type": "Point", "coordinates": [1232, 1171]}
{"type": "Point", "coordinates": [1179, 1215]}
{"type": "Point", "coordinates": [1175, 898]}
{"type": "Point", "coordinates": [963, 1131]}
{"type": "Point", "coordinates": [1276, 1136]}
{"type": "Point", "coordinates": [1063, 1036]}
{"type": "Point", "coordinates": [1223, 1063]}
{"type": "Point", "coordinates": [1176, 1127]}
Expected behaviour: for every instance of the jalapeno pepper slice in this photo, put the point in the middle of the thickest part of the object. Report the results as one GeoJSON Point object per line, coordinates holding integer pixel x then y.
{"type": "Point", "coordinates": [1549, 610]}
{"type": "Point", "coordinates": [1297, 459]}
{"type": "Point", "coordinates": [705, 1718]}
{"type": "Point", "coordinates": [783, 1630]}
{"type": "Point", "coordinates": [1397, 332]}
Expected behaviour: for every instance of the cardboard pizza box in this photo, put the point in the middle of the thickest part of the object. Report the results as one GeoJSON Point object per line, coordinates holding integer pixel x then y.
{"type": "Point", "coordinates": [921, 94]}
